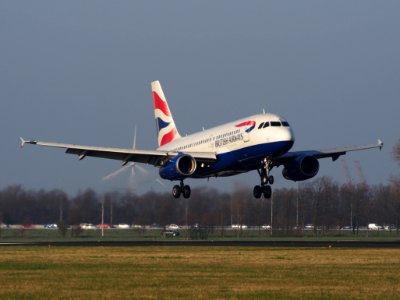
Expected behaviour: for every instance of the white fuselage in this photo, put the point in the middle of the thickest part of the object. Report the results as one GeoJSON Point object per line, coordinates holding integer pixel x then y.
{"type": "Point", "coordinates": [240, 144]}
{"type": "Point", "coordinates": [228, 137]}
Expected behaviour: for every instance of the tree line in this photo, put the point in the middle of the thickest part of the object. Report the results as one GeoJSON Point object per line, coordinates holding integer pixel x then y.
{"type": "Point", "coordinates": [322, 202]}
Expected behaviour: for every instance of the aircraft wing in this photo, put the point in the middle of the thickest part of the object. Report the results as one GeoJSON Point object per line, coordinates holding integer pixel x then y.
{"type": "Point", "coordinates": [156, 158]}
{"type": "Point", "coordinates": [332, 153]}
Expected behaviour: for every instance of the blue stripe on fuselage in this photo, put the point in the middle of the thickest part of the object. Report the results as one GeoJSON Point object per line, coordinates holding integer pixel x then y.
{"type": "Point", "coordinates": [244, 159]}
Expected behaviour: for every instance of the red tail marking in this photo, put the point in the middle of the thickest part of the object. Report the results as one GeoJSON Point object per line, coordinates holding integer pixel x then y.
{"type": "Point", "coordinates": [168, 137]}
{"type": "Point", "coordinates": [160, 104]}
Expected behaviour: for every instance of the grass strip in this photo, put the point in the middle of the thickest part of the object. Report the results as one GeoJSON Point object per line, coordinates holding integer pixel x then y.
{"type": "Point", "coordinates": [198, 273]}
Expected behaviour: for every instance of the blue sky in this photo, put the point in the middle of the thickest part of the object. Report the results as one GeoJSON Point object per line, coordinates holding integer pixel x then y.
{"type": "Point", "coordinates": [80, 72]}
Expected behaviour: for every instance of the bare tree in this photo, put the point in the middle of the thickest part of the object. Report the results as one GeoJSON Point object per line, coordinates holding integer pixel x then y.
{"type": "Point", "coordinates": [85, 207]}
{"type": "Point", "coordinates": [285, 207]}
{"type": "Point", "coordinates": [321, 202]}
{"type": "Point", "coordinates": [324, 194]}
{"type": "Point", "coordinates": [395, 201]}
{"type": "Point", "coordinates": [395, 188]}
{"type": "Point", "coordinates": [396, 152]}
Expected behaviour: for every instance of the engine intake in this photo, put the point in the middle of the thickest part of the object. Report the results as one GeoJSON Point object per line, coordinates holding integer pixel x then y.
{"type": "Point", "coordinates": [179, 167]}
{"type": "Point", "coordinates": [302, 168]}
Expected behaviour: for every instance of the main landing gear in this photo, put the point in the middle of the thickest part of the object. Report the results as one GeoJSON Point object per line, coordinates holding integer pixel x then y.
{"type": "Point", "coordinates": [264, 188]}
{"type": "Point", "coordinates": [177, 190]}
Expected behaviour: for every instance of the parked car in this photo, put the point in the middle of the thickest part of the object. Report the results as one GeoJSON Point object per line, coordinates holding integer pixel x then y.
{"type": "Point", "coordinates": [51, 226]}
{"type": "Point", "coordinates": [103, 226]}
{"type": "Point", "coordinates": [196, 226]}
{"type": "Point", "coordinates": [154, 226]}
{"type": "Point", "coordinates": [266, 226]}
{"type": "Point", "coordinates": [169, 233]}
{"type": "Point", "coordinates": [347, 228]}
{"type": "Point", "coordinates": [137, 226]}
{"type": "Point", "coordinates": [172, 227]}
{"type": "Point", "coordinates": [87, 226]}
{"type": "Point", "coordinates": [373, 226]}
{"type": "Point", "coordinates": [238, 226]}
{"type": "Point", "coordinates": [122, 226]}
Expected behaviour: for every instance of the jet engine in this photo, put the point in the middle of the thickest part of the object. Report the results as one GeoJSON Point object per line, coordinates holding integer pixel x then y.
{"type": "Point", "coordinates": [301, 168]}
{"type": "Point", "coordinates": [179, 167]}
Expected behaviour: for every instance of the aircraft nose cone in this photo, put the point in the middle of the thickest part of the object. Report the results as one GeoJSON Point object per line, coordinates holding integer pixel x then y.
{"type": "Point", "coordinates": [291, 135]}
{"type": "Point", "coordinates": [285, 138]}
{"type": "Point", "coordinates": [288, 135]}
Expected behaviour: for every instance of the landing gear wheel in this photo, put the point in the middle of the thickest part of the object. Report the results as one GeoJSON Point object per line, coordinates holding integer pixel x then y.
{"type": "Point", "coordinates": [186, 191]}
{"type": "Point", "coordinates": [267, 191]}
{"type": "Point", "coordinates": [266, 179]}
{"type": "Point", "coordinates": [257, 192]}
{"type": "Point", "coordinates": [176, 191]}
{"type": "Point", "coordinates": [271, 179]}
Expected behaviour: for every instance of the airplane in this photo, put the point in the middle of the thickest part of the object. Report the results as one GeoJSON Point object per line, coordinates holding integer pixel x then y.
{"type": "Point", "coordinates": [259, 142]}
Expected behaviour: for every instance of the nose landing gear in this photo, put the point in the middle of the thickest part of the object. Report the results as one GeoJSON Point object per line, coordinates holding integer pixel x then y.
{"type": "Point", "coordinates": [264, 188]}
{"type": "Point", "coordinates": [185, 190]}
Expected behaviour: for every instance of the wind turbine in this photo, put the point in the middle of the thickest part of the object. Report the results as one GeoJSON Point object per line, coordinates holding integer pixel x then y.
{"type": "Point", "coordinates": [132, 166]}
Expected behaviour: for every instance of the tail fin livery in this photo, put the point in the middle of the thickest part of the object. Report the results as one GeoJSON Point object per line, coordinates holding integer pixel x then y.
{"type": "Point", "coordinates": [166, 129]}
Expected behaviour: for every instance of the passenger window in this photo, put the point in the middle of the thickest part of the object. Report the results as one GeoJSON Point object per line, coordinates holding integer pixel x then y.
{"type": "Point", "coordinates": [266, 124]}
{"type": "Point", "coordinates": [276, 124]}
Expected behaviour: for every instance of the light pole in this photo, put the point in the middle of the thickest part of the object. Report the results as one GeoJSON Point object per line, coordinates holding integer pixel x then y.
{"type": "Point", "coordinates": [111, 212]}
{"type": "Point", "coordinates": [102, 217]}
{"type": "Point", "coordinates": [272, 207]}
{"type": "Point", "coordinates": [297, 207]}
{"type": "Point", "coordinates": [186, 217]}
{"type": "Point", "coordinates": [61, 209]}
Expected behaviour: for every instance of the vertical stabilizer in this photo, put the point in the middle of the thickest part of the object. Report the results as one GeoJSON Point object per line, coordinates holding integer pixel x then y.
{"type": "Point", "coordinates": [166, 129]}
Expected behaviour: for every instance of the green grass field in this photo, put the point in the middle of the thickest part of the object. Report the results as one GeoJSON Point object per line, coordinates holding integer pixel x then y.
{"type": "Point", "coordinates": [49, 235]}
{"type": "Point", "coordinates": [198, 273]}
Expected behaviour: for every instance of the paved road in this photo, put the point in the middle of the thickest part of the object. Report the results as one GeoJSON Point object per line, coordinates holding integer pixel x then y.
{"type": "Point", "coordinates": [294, 244]}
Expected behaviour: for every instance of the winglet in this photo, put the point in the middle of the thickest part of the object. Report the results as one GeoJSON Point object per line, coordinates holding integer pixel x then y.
{"type": "Point", "coordinates": [23, 142]}
{"type": "Point", "coordinates": [380, 144]}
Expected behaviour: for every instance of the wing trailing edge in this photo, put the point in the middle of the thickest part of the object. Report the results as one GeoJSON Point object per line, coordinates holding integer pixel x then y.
{"type": "Point", "coordinates": [152, 157]}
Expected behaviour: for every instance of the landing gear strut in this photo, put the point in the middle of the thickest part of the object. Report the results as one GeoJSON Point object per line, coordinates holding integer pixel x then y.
{"type": "Point", "coordinates": [185, 190]}
{"type": "Point", "coordinates": [264, 188]}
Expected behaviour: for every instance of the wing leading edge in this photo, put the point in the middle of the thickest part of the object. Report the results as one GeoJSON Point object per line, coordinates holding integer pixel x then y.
{"type": "Point", "coordinates": [332, 153]}
{"type": "Point", "coordinates": [156, 158]}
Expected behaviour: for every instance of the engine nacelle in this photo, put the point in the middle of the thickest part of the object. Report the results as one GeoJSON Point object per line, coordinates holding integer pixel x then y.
{"type": "Point", "coordinates": [179, 167]}
{"type": "Point", "coordinates": [302, 168]}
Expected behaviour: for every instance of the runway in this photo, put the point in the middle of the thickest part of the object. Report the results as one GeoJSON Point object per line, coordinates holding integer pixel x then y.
{"type": "Point", "coordinates": [191, 243]}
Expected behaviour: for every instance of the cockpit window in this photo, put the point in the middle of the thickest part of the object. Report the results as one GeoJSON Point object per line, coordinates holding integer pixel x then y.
{"type": "Point", "coordinates": [266, 124]}
{"type": "Point", "coordinates": [285, 124]}
{"type": "Point", "coordinates": [261, 125]}
{"type": "Point", "coordinates": [275, 123]}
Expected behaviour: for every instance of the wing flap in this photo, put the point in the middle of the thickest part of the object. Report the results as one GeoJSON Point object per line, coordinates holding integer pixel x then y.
{"type": "Point", "coordinates": [126, 155]}
{"type": "Point", "coordinates": [155, 158]}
